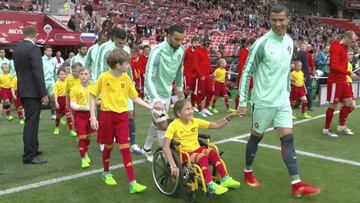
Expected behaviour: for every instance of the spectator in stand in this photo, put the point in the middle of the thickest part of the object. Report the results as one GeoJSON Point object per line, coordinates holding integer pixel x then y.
{"type": "Point", "coordinates": [312, 74]}
{"type": "Point", "coordinates": [71, 23]}
{"type": "Point", "coordinates": [89, 8]}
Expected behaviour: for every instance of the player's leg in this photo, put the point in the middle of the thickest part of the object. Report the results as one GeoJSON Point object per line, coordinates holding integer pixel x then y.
{"type": "Point", "coordinates": [261, 119]}
{"type": "Point", "coordinates": [333, 93]}
{"type": "Point", "coordinates": [283, 124]}
{"type": "Point", "coordinates": [304, 106]}
{"type": "Point", "coordinates": [347, 108]}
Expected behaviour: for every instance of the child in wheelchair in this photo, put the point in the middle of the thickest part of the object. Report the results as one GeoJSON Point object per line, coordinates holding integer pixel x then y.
{"type": "Point", "coordinates": [184, 129]}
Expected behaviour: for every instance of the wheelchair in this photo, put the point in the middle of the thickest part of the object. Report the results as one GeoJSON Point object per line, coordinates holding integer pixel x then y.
{"type": "Point", "coordinates": [190, 174]}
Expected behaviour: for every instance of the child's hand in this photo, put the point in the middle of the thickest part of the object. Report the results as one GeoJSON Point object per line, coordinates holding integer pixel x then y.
{"type": "Point", "coordinates": [94, 123]}
{"type": "Point", "coordinates": [14, 97]}
{"type": "Point", "coordinates": [57, 106]}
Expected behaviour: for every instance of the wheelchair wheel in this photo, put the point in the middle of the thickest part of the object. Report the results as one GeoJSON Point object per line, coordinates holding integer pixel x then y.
{"type": "Point", "coordinates": [161, 173]}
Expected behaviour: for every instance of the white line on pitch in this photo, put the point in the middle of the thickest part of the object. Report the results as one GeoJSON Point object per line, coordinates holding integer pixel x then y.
{"type": "Point", "coordinates": [309, 154]}
{"type": "Point", "coordinates": [61, 179]}
{"type": "Point", "coordinates": [79, 175]}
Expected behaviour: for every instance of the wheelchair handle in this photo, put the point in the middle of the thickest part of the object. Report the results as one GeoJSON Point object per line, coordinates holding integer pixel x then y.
{"type": "Point", "coordinates": [204, 136]}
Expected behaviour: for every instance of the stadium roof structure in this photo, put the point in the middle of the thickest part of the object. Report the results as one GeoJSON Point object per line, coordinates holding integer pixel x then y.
{"type": "Point", "coordinates": [50, 30]}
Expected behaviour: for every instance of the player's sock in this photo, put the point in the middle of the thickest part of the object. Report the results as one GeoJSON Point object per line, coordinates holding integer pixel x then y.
{"type": "Point", "coordinates": [214, 102]}
{"type": "Point", "coordinates": [237, 101]}
{"type": "Point", "coordinates": [304, 107]}
{"type": "Point", "coordinates": [203, 162]}
{"type": "Point", "coordinates": [87, 143]}
{"type": "Point", "coordinates": [219, 166]}
{"type": "Point", "coordinates": [329, 116]}
{"type": "Point", "coordinates": [132, 131]}
{"type": "Point", "coordinates": [69, 120]}
{"type": "Point", "coordinates": [125, 152]}
{"type": "Point", "coordinates": [20, 112]}
{"type": "Point", "coordinates": [52, 107]}
{"type": "Point", "coordinates": [344, 113]}
{"type": "Point", "coordinates": [251, 148]}
{"type": "Point", "coordinates": [7, 109]}
{"type": "Point", "coordinates": [57, 120]}
{"type": "Point", "coordinates": [226, 99]}
{"type": "Point", "coordinates": [106, 157]}
{"type": "Point", "coordinates": [152, 136]}
{"type": "Point", "coordinates": [289, 155]}
{"type": "Point", "coordinates": [82, 145]}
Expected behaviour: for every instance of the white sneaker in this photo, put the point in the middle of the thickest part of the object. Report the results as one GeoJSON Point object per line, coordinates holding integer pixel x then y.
{"type": "Point", "coordinates": [135, 149]}
{"type": "Point", "coordinates": [207, 112]}
{"type": "Point", "coordinates": [53, 117]}
{"type": "Point", "coordinates": [147, 154]}
{"type": "Point", "coordinates": [329, 133]}
{"type": "Point", "coordinates": [101, 146]}
{"type": "Point", "coordinates": [203, 114]}
{"type": "Point", "coordinates": [195, 109]}
{"type": "Point", "coordinates": [345, 130]}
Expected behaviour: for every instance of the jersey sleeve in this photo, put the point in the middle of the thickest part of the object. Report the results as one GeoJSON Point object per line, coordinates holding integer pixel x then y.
{"type": "Point", "coordinates": [170, 131]}
{"type": "Point", "coordinates": [202, 123]}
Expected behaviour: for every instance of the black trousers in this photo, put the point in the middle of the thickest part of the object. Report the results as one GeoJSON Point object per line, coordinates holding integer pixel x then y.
{"type": "Point", "coordinates": [32, 107]}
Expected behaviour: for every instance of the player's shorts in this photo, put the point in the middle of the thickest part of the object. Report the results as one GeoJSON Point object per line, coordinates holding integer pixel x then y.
{"type": "Point", "coordinates": [6, 94]}
{"type": "Point", "coordinates": [297, 92]}
{"type": "Point", "coordinates": [113, 125]}
{"type": "Point", "coordinates": [206, 86]}
{"type": "Point", "coordinates": [264, 117]}
{"type": "Point", "coordinates": [62, 106]}
{"type": "Point", "coordinates": [338, 92]}
{"type": "Point", "coordinates": [49, 85]}
{"type": "Point", "coordinates": [82, 123]}
{"type": "Point", "coordinates": [220, 89]}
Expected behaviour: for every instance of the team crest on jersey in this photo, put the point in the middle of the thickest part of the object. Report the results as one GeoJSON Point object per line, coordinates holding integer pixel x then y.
{"type": "Point", "coordinates": [192, 129]}
{"type": "Point", "coordinates": [256, 125]}
{"type": "Point", "coordinates": [289, 49]}
{"type": "Point", "coordinates": [122, 85]}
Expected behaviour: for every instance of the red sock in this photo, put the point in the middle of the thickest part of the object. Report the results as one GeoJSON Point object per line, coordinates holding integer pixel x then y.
{"type": "Point", "coordinates": [303, 107]}
{"type": "Point", "coordinates": [69, 120]}
{"type": "Point", "coordinates": [237, 99]}
{"type": "Point", "coordinates": [82, 146]}
{"type": "Point", "coordinates": [57, 120]}
{"type": "Point", "coordinates": [214, 102]}
{"type": "Point", "coordinates": [344, 113]}
{"type": "Point", "coordinates": [329, 116]}
{"type": "Point", "coordinates": [202, 160]}
{"type": "Point", "coordinates": [106, 157]}
{"type": "Point", "coordinates": [7, 111]}
{"type": "Point", "coordinates": [87, 143]}
{"type": "Point", "coordinates": [226, 99]}
{"type": "Point", "coordinates": [219, 166]}
{"type": "Point", "coordinates": [126, 156]}
{"type": "Point", "coordinates": [20, 112]}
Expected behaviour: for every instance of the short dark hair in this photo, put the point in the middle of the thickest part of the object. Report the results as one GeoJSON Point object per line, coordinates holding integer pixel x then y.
{"type": "Point", "coordinates": [117, 56]}
{"type": "Point", "coordinates": [146, 46]}
{"type": "Point", "coordinates": [179, 104]}
{"type": "Point", "coordinates": [61, 69]}
{"type": "Point", "coordinates": [30, 31]}
{"type": "Point", "coordinates": [118, 33]}
{"type": "Point", "coordinates": [47, 47]}
{"type": "Point", "coordinates": [79, 46]}
{"type": "Point", "coordinates": [278, 8]}
{"type": "Point", "coordinates": [176, 28]}
{"type": "Point", "coordinates": [195, 39]}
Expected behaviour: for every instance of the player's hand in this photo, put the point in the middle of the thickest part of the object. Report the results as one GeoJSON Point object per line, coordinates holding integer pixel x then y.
{"type": "Point", "coordinates": [45, 100]}
{"type": "Point", "coordinates": [158, 106]}
{"type": "Point", "coordinates": [57, 106]}
{"type": "Point", "coordinates": [241, 111]}
{"type": "Point", "coordinates": [94, 123]}
{"type": "Point", "coordinates": [14, 97]}
{"type": "Point", "coordinates": [174, 171]}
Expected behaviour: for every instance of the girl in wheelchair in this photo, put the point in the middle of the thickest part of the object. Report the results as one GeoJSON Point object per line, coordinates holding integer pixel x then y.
{"type": "Point", "coordinates": [184, 129]}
